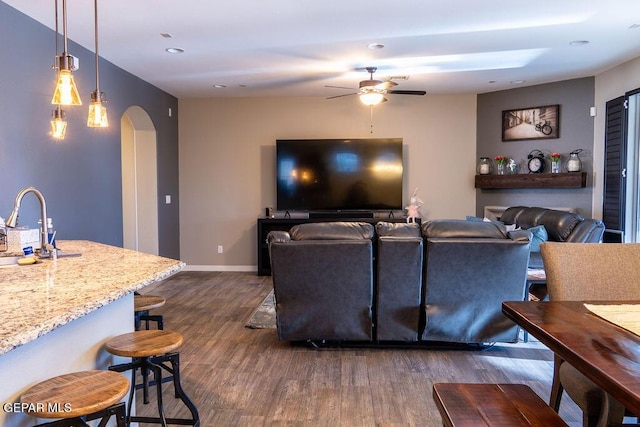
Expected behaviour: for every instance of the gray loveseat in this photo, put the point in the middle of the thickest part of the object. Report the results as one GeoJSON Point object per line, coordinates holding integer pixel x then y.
{"type": "Point", "coordinates": [444, 281]}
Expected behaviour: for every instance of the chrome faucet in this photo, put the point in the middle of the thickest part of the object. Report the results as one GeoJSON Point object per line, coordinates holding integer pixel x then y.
{"type": "Point", "coordinates": [12, 221]}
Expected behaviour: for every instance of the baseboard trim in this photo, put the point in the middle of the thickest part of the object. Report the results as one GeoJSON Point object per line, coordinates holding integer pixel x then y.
{"type": "Point", "coordinates": [239, 268]}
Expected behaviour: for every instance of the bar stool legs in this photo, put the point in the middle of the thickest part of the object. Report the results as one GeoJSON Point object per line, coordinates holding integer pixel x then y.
{"type": "Point", "coordinates": [118, 411]}
{"type": "Point", "coordinates": [142, 304]}
{"type": "Point", "coordinates": [153, 351]}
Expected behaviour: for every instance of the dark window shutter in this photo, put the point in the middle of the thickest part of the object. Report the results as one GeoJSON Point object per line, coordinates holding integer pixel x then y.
{"type": "Point", "coordinates": [614, 164]}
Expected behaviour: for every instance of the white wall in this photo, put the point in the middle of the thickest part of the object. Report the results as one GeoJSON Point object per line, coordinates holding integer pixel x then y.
{"type": "Point", "coordinates": [227, 161]}
{"type": "Point", "coordinates": [609, 85]}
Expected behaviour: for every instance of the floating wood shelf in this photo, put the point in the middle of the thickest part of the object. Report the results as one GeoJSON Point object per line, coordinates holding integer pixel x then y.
{"type": "Point", "coordinates": [533, 180]}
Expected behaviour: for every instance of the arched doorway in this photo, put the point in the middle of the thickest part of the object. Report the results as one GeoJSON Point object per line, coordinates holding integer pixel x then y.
{"type": "Point", "coordinates": [139, 181]}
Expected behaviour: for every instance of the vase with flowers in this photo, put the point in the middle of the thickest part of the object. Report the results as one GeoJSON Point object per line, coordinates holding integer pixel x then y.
{"type": "Point", "coordinates": [501, 161]}
{"type": "Point", "coordinates": [555, 162]}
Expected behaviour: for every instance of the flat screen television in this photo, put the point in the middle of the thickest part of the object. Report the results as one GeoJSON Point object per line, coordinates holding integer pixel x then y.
{"type": "Point", "coordinates": [339, 174]}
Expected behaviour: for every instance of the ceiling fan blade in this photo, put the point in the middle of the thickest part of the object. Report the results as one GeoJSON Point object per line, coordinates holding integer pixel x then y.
{"type": "Point", "coordinates": [340, 96]}
{"type": "Point", "coordinates": [407, 92]}
{"type": "Point", "coordinates": [340, 87]}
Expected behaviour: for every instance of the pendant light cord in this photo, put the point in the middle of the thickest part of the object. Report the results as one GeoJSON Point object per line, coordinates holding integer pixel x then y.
{"type": "Point", "coordinates": [57, 33]}
{"type": "Point", "coordinates": [95, 8]}
{"type": "Point", "coordinates": [64, 26]}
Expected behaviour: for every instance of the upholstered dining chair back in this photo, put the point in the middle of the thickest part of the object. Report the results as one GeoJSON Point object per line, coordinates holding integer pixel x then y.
{"type": "Point", "coordinates": [591, 271]}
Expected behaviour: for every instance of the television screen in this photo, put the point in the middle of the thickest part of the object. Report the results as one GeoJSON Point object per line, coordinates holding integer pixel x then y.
{"type": "Point", "coordinates": [339, 174]}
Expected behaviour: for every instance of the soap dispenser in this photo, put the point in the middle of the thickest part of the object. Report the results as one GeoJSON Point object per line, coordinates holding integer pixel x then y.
{"type": "Point", "coordinates": [3, 236]}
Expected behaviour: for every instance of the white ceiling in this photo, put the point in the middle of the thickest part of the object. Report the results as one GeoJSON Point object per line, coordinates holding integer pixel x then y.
{"type": "Point", "coordinates": [296, 47]}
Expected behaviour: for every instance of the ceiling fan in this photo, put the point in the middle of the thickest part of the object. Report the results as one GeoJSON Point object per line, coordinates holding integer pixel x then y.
{"type": "Point", "coordinates": [371, 92]}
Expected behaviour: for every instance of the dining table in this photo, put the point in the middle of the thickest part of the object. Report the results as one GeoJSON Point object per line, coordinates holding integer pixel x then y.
{"type": "Point", "coordinates": [599, 338]}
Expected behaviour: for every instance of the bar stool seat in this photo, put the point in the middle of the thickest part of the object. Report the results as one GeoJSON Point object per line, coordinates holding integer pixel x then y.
{"type": "Point", "coordinates": [141, 306]}
{"type": "Point", "coordinates": [144, 343]}
{"type": "Point", "coordinates": [78, 397]}
{"type": "Point", "coordinates": [153, 350]}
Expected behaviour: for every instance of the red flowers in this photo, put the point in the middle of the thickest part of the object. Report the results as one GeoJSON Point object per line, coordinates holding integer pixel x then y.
{"type": "Point", "coordinates": [500, 159]}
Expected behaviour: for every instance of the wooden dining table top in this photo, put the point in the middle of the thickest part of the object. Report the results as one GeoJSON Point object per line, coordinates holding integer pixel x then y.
{"type": "Point", "coordinates": [607, 354]}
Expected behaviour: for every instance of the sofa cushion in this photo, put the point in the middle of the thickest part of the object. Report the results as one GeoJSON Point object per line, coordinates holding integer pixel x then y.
{"type": "Point", "coordinates": [332, 231]}
{"type": "Point", "coordinates": [398, 229]}
{"type": "Point", "coordinates": [460, 228]}
{"type": "Point", "coordinates": [538, 236]}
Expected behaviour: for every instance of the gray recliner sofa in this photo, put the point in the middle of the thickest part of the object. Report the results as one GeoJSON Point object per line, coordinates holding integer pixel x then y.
{"type": "Point", "coordinates": [444, 281]}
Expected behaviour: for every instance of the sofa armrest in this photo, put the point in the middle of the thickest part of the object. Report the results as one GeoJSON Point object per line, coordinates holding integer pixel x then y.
{"type": "Point", "coordinates": [520, 235]}
{"type": "Point", "coordinates": [460, 228]}
{"type": "Point", "coordinates": [398, 229]}
{"type": "Point", "coordinates": [278, 237]}
{"type": "Point", "coordinates": [588, 231]}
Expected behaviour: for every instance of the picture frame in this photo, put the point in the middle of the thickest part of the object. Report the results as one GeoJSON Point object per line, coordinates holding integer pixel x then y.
{"type": "Point", "coordinates": [531, 123]}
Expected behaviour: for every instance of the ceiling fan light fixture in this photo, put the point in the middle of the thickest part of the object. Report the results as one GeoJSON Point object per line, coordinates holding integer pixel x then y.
{"type": "Point", "coordinates": [371, 98]}
{"type": "Point", "coordinates": [386, 85]}
{"type": "Point", "coordinates": [370, 84]}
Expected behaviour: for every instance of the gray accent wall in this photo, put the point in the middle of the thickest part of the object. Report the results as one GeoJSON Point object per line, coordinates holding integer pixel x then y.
{"type": "Point", "coordinates": [575, 98]}
{"type": "Point", "coordinates": [80, 177]}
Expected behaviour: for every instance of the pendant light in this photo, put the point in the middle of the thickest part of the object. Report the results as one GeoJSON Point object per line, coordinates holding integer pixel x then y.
{"type": "Point", "coordinates": [66, 92]}
{"type": "Point", "coordinates": [58, 123]}
{"type": "Point", "coordinates": [97, 111]}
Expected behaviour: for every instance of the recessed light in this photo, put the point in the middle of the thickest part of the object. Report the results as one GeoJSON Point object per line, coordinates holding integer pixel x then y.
{"type": "Point", "coordinates": [242, 85]}
{"type": "Point", "coordinates": [492, 81]}
{"type": "Point", "coordinates": [174, 50]}
{"type": "Point", "coordinates": [517, 82]}
{"type": "Point", "coordinates": [374, 46]}
{"type": "Point", "coordinates": [579, 42]}
{"type": "Point", "coordinates": [634, 26]}
{"type": "Point", "coordinates": [219, 86]}
{"type": "Point", "coordinates": [166, 35]}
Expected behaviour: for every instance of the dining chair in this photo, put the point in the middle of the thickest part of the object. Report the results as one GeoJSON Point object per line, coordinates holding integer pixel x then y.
{"type": "Point", "coordinates": [589, 272]}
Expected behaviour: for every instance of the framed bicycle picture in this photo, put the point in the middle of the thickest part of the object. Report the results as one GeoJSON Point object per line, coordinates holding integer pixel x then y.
{"type": "Point", "coordinates": [531, 123]}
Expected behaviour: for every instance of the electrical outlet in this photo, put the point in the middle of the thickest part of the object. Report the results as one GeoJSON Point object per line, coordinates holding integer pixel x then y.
{"type": "Point", "coordinates": [220, 249]}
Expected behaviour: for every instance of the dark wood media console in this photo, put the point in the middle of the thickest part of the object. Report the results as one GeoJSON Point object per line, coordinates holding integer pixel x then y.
{"type": "Point", "coordinates": [265, 225]}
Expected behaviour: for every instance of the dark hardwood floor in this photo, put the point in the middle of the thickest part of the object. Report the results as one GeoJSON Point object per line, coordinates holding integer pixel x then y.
{"type": "Point", "coordinates": [245, 377]}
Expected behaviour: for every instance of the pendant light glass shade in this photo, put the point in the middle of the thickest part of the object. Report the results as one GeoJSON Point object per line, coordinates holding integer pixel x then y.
{"type": "Point", "coordinates": [66, 92]}
{"type": "Point", "coordinates": [371, 98]}
{"type": "Point", "coordinates": [58, 124]}
{"type": "Point", "coordinates": [97, 111]}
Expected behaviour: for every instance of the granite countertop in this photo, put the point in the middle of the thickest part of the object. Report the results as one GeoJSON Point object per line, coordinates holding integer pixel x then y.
{"type": "Point", "coordinates": [36, 299]}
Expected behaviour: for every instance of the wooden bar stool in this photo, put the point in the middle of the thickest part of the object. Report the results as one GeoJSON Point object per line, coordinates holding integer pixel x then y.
{"type": "Point", "coordinates": [78, 397]}
{"type": "Point", "coordinates": [499, 405]}
{"type": "Point", "coordinates": [141, 306]}
{"type": "Point", "coordinates": [153, 350]}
